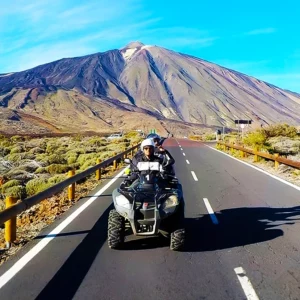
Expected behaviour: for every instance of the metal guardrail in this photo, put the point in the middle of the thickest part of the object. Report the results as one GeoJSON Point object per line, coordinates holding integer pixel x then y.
{"type": "Point", "coordinates": [275, 157]}
{"type": "Point", "coordinates": [9, 214]}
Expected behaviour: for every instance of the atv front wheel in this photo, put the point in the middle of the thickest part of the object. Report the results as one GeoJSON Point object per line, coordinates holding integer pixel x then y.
{"type": "Point", "coordinates": [116, 230]}
{"type": "Point", "coordinates": [177, 239]}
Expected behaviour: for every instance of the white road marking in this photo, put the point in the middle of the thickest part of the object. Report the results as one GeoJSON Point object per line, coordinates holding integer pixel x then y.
{"type": "Point", "coordinates": [246, 284]}
{"type": "Point", "coordinates": [187, 162]}
{"type": "Point", "coordinates": [210, 211]}
{"type": "Point", "coordinates": [9, 274]}
{"type": "Point", "coordinates": [183, 154]}
{"type": "Point", "coordinates": [194, 176]}
{"type": "Point", "coordinates": [181, 149]}
{"type": "Point", "coordinates": [258, 169]}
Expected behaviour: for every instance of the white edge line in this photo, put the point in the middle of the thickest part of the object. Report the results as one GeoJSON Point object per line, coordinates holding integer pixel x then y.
{"type": "Point", "coordinates": [187, 162]}
{"type": "Point", "coordinates": [246, 284]}
{"type": "Point", "coordinates": [183, 154]}
{"type": "Point", "coordinates": [258, 169]}
{"type": "Point", "coordinates": [194, 176]}
{"type": "Point", "coordinates": [210, 211]}
{"type": "Point", "coordinates": [9, 274]}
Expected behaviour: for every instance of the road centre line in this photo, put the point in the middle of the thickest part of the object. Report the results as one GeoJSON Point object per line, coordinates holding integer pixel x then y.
{"type": "Point", "coordinates": [194, 176]}
{"type": "Point", "coordinates": [18, 266]}
{"type": "Point", "coordinates": [183, 154]}
{"type": "Point", "coordinates": [210, 211]}
{"type": "Point", "coordinates": [246, 284]}
{"type": "Point", "coordinates": [258, 169]}
{"type": "Point", "coordinates": [187, 162]}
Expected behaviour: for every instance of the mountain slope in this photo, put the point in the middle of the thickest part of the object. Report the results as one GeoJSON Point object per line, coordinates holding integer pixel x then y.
{"type": "Point", "coordinates": [147, 82]}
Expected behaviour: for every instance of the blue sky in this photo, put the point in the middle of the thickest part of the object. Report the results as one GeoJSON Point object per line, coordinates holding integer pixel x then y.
{"type": "Point", "coordinates": [258, 38]}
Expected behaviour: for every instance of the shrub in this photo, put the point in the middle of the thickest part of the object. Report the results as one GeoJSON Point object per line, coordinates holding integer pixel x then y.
{"type": "Point", "coordinates": [56, 159]}
{"type": "Point", "coordinates": [280, 130]}
{"type": "Point", "coordinates": [57, 169]}
{"type": "Point", "coordinates": [17, 191]}
{"type": "Point", "coordinates": [210, 137]}
{"type": "Point", "coordinates": [36, 185]}
{"type": "Point", "coordinates": [97, 142]}
{"type": "Point", "coordinates": [41, 170]}
{"type": "Point", "coordinates": [36, 150]}
{"type": "Point", "coordinates": [57, 179]}
{"type": "Point", "coordinates": [256, 138]}
{"type": "Point", "coordinates": [10, 184]}
{"type": "Point", "coordinates": [195, 137]}
{"type": "Point", "coordinates": [16, 149]}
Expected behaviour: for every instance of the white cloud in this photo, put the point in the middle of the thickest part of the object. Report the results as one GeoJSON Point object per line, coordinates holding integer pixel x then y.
{"type": "Point", "coordinates": [261, 31]}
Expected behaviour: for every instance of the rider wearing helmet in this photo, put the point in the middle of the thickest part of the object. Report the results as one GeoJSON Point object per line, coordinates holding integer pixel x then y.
{"type": "Point", "coordinates": [159, 149]}
{"type": "Point", "coordinates": [147, 153]}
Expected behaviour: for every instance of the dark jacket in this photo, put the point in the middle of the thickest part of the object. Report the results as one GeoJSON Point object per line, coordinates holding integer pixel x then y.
{"type": "Point", "coordinates": [140, 157]}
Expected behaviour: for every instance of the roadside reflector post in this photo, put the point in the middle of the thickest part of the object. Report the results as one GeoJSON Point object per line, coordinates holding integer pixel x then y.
{"type": "Point", "coordinates": [131, 152]}
{"type": "Point", "coordinates": [231, 148]}
{"type": "Point", "coordinates": [115, 163]}
{"type": "Point", "coordinates": [10, 225]}
{"type": "Point", "coordinates": [98, 172]}
{"type": "Point", "coordinates": [276, 162]}
{"type": "Point", "coordinates": [255, 154]}
{"type": "Point", "coordinates": [242, 153]}
{"type": "Point", "coordinates": [71, 188]}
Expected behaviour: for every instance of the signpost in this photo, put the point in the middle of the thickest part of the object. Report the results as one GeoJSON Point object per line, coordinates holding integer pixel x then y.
{"type": "Point", "coordinates": [242, 124]}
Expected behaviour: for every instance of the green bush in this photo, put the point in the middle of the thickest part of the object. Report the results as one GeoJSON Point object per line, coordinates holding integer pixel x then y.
{"type": "Point", "coordinates": [10, 183]}
{"type": "Point", "coordinates": [41, 170]}
{"type": "Point", "coordinates": [57, 169]}
{"type": "Point", "coordinates": [36, 150]}
{"type": "Point", "coordinates": [87, 164]}
{"type": "Point", "coordinates": [257, 138]}
{"type": "Point", "coordinates": [56, 159]}
{"type": "Point", "coordinates": [17, 191]}
{"type": "Point", "coordinates": [280, 130]}
{"type": "Point", "coordinates": [57, 179]}
{"type": "Point", "coordinates": [96, 142]}
{"type": "Point", "coordinates": [17, 149]}
{"type": "Point", "coordinates": [210, 137]}
{"type": "Point", "coordinates": [37, 185]}
{"type": "Point", "coordinates": [4, 151]}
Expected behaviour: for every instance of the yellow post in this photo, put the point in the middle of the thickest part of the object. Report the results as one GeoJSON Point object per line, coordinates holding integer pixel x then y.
{"type": "Point", "coordinates": [231, 148]}
{"type": "Point", "coordinates": [255, 155]}
{"type": "Point", "coordinates": [71, 188]}
{"type": "Point", "coordinates": [131, 153]}
{"type": "Point", "coordinates": [98, 172]}
{"type": "Point", "coordinates": [242, 153]}
{"type": "Point", "coordinates": [276, 162]}
{"type": "Point", "coordinates": [10, 225]}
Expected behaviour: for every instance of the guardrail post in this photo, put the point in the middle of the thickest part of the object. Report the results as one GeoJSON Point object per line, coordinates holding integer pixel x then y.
{"type": "Point", "coordinates": [10, 225]}
{"type": "Point", "coordinates": [255, 154]}
{"type": "Point", "coordinates": [98, 172]}
{"type": "Point", "coordinates": [242, 153]}
{"type": "Point", "coordinates": [115, 164]}
{"type": "Point", "coordinates": [231, 148]}
{"type": "Point", "coordinates": [276, 162]}
{"type": "Point", "coordinates": [71, 188]}
{"type": "Point", "coordinates": [131, 152]}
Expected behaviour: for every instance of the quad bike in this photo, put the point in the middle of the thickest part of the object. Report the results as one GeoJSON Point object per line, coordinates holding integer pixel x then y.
{"type": "Point", "coordinates": [150, 206]}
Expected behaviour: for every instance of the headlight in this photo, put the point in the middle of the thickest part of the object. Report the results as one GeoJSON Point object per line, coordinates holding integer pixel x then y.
{"type": "Point", "coordinates": [123, 201]}
{"type": "Point", "coordinates": [170, 203]}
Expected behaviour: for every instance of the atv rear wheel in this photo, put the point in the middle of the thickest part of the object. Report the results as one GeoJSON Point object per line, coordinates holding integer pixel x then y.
{"type": "Point", "coordinates": [177, 239]}
{"type": "Point", "coordinates": [116, 230]}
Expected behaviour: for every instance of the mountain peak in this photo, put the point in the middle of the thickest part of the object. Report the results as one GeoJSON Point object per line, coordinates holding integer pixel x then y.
{"type": "Point", "coordinates": [133, 45]}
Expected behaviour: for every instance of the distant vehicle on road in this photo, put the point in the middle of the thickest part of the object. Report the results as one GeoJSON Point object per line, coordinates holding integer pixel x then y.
{"type": "Point", "coordinates": [114, 136]}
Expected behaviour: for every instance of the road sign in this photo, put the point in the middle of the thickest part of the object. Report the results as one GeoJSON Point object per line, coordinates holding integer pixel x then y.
{"type": "Point", "coordinates": [243, 121]}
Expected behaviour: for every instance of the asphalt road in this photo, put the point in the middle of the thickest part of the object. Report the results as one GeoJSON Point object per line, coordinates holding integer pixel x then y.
{"type": "Point", "coordinates": [243, 242]}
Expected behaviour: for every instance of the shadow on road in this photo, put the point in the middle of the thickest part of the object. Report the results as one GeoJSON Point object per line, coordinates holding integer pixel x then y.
{"type": "Point", "coordinates": [238, 227]}
{"type": "Point", "coordinates": [69, 277]}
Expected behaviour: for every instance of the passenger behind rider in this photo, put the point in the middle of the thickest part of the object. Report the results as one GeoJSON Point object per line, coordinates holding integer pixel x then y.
{"type": "Point", "coordinates": [159, 149]}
